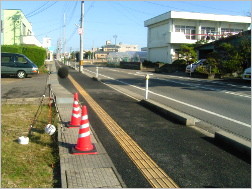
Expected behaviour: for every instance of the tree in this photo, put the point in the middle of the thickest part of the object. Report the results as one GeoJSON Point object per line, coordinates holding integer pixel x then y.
{"type": "Point", "coordinates": [228, 58]}
{"type": "Point", "coordinates": [245, 51]}
{"type": "Point", "coordinates": [188, 53]}
{"type": "Point", "coordinates": [88, 55]}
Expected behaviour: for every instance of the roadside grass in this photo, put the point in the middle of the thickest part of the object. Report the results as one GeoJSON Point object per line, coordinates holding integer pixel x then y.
{"type": "Point", "coordinates": [35, 165]}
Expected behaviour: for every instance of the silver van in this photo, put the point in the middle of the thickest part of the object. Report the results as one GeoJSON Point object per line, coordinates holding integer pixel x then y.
{"type": "Point", "coordinates": [17, 64]}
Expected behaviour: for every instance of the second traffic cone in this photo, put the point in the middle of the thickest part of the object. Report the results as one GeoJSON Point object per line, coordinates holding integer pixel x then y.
{"type": "Point", "coordinates": [84, 145]}
{"type": "Point", "coordinates": [76, 114]}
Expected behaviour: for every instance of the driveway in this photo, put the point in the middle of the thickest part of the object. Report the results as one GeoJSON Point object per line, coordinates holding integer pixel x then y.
{"type": "Point", "coordinates": [30, 87]}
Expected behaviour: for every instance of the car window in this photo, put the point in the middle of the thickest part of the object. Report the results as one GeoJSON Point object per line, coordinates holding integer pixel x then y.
{"type": "Point", "coordinates": [5, 59]}
{"type": "Point", "coordinates": [20, 59]}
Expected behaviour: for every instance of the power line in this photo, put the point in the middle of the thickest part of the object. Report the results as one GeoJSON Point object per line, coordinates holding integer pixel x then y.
{"type": "Point", "coordinates": [162, 5]}
{"type": "Point", "coordinates": [90, 6]}
{"type": "Point", "coordinates": [135, 10]}
{"type": "Point", "coordinates": [37, 9]}
{"type": "Point", "coordinates": [55, 29]}
{"type": "Point", "coordinates": [132, 19]}
{"type": "Point", "coordinates": [66, 7]}
{"type": "Point", "coordinates": [43, 9]}
{"type": "Point", "coordinates": [150, 2]}
{"type": "Point", "coordinates": [193, 4]}
{"type": "Point", "coordinates": [71, 14]}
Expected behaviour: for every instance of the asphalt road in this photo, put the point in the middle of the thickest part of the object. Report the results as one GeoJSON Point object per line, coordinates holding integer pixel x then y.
{"type": "Point", "coordinates": [222, 104]}
{"type": "Point", "coordinates": [190, 158]}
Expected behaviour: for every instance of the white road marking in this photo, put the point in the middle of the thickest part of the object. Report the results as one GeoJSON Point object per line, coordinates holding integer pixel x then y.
{"type": "Point", "coordinates": [186, 104]}
{"type": "Point", "coordinates": [208, 88]}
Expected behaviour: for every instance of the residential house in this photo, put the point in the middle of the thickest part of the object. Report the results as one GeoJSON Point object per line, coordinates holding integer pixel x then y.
{"type": "Point", "coordinates": [168, 31]}
{"type": "Point", "coordinates": [16, 29]}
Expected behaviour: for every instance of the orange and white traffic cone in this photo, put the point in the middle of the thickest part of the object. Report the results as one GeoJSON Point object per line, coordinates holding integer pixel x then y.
{"type": "Point", "coordinates": [84, 145]}
{"type": "Point", "coordinates": [76, 114]}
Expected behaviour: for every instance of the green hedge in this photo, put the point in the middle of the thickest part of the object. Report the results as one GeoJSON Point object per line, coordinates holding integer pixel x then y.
{"type": "Point", "coordinates": [36, 54]}
{"type": "Point", "coordinates": [11, 48]}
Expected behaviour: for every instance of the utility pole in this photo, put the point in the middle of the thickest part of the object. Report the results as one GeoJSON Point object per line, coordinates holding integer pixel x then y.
{"type": "Point", "coordinates": [81, 34]}
{"type": "Point", "coordinates": [64, 37]}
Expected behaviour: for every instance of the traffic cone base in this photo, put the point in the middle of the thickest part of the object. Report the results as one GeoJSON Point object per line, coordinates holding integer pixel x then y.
{"type": "Point", "coordinates": [69, 125]}
{"type": "Point", "coordinates": [77, 152]}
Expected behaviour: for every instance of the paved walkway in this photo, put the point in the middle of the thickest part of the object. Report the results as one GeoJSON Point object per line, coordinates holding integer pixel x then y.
{"type": "Point", "coordinates": [80, 171]}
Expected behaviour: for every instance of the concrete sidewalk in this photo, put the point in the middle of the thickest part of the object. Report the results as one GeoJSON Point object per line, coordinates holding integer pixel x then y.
{"type": "Point", "coordinates": [80, 171]}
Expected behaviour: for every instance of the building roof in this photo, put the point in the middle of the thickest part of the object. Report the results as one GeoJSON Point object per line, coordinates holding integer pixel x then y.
{"type": "Point", "coordinates": [197, 16]}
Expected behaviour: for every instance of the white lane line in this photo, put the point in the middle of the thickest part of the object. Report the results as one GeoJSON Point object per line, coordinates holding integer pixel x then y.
{"type": "Point", "coordinates": [174, 76]}
{"type": "Point", "coordinates": [204, 110]}
{"type": "Point", "coordinates": [208, 88]}
{"type": "Point", "coordinates": [186, 104]}
{"type": "Point", "coordinates": [198, 85]}
{"type": "Point", "coordinates": [217, 82]}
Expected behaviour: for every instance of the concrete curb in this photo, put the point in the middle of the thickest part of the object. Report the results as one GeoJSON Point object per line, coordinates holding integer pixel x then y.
{"type": "Point", "coordinates": [96, 79]}
{"type": "Point", "coordinates": [237, 143]}
{"type": "Point", "coordinates": [169, 113]}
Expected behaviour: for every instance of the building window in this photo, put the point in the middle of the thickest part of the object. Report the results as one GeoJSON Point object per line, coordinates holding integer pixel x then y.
{"type": "Point", "coordinates": [28, 32]}
{"type": "Point", "coordinates": [24, 29]}
{"type": "Point", "coordinates": [189, 31]}
{"type": "Point", "coordinates": [225, 31]}
{"type": "Point", "coordinates": [208, 33]}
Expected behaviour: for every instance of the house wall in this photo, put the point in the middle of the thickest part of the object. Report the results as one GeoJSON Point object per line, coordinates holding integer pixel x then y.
{"type": "Point", "coordinates": [162, 53]}
{"type": "Point", "coordinates": [17, 29]}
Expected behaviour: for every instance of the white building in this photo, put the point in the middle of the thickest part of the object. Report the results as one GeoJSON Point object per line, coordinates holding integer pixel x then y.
{"type": "Point", "coordinates": [168, 31]}
{"type": "Point", "coordinates": [125, 47]}
{"type": "Point", "coordinates": [47, 44]}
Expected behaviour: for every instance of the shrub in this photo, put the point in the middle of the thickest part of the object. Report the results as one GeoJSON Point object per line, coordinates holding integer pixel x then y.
{"type": "Point", "coordinates": [179, 62]}
{"type": "Point", "coordinates": [211, 67]}
{"type": "Point", "coordinates": [11, 48]}
{"type": "Point", "coordinates": [34, 53]}
{"type": "Point", "coordinates": [202, 69]}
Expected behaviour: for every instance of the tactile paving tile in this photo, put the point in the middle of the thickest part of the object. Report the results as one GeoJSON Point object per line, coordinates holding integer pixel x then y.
{"type": "Point", "coordinates": [92, 178]}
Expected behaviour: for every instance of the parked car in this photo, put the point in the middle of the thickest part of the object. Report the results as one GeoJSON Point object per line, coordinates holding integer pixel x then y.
{"type": "Point", "coordinates": [17, 64]}
{"type": "Point", "coordinates": [191, 68]}
{"type": "Point", "coordinates": [247, 74]}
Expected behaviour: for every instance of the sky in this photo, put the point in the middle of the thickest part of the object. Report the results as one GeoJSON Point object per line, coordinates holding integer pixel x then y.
{"type": "Point", "coordinates": [103, 20]}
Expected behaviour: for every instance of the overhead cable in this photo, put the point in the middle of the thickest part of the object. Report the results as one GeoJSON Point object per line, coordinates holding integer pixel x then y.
{"type": "Point", "coordinates": [37, 9]}
{"type": "Point", "coordinates": [43, 9]}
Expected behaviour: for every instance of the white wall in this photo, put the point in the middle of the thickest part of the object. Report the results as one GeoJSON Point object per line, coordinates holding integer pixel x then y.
{"type": "Point", "coordinates": [158, 54]}
{"type": "Point", "coordinates": [158, 35]}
